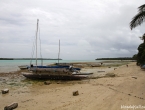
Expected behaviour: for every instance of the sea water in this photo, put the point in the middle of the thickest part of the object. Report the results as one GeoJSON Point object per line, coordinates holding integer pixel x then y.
{"type": "Point", "coordinates": [12, 65]}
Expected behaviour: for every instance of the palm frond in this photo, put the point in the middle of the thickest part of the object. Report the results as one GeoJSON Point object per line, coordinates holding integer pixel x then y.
{"type": "Point", "coordinates": [137, 20]}
{"type": "Point", "coordinates": [141, 8]}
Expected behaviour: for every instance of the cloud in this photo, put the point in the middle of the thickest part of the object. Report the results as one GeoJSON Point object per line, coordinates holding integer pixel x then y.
{"type": "Point", "coordinates": [86, 29]}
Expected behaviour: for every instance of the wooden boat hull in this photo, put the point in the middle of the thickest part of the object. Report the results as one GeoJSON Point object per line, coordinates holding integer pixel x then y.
{"type": "Point", "coordinates": [54, 76]}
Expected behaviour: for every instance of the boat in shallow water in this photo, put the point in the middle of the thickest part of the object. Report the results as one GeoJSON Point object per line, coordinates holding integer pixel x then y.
{"type": "Point", "coordinates": [23, 67]}
{"type": "Point", "coordinates": [61, 72]}
{"type": "Point", "coordinates": [55, 74]}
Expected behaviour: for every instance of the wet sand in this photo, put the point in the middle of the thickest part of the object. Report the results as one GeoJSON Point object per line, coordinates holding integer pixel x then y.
{"type": "Point", "coordinates": [105, 93]}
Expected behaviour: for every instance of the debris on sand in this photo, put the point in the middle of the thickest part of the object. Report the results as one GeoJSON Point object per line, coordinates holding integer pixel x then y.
{"type": "Point", "coordinates": [75, 93]}
{"type": "Point", "coordinates": [110, 75]}
{"type": "Point", "coordinates": [4, 91]}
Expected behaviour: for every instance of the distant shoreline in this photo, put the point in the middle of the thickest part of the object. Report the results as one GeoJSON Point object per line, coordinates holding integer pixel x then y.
{"type": "Point", "coordinates": [123, 58]}
{"type": "Point", "coordinates": [28, 59]}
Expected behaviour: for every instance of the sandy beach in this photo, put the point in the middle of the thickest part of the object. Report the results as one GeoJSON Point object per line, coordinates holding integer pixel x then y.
{"type": "Point", "coordinates": [100, 92]}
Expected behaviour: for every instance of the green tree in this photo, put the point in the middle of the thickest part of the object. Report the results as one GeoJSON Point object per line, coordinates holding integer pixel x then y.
{"type": "Point", "coordinates": [134, 57]}
{"type": "Point", "coordinates": [137, 20]}
{"type": "Point", "coordinates": [141, 54]}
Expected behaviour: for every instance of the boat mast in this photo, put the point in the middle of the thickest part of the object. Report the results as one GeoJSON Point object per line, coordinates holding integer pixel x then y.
{"type": "Point", "coordinates": [36, 40]}
{"type": "Point", "coordinates": [59, 52]}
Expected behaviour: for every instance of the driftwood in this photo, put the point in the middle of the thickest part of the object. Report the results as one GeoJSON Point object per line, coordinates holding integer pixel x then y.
{"type": "Point", "coordinates": [4, 91]}
{"type": "Point", "coordinates": [134, 77]}
{"type": "Point", "coordinates": [11, 106]}
{"type": "Point", "coordinates": [75, 93]}
{"type": "Point", "coordinates": [95, 65]}
{"type": "Point", "coordinates": [110, 75]}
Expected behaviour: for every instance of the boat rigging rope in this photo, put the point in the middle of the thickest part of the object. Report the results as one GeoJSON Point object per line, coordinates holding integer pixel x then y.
{"type": "Point", "coordinates": [33, 50]}
{"type": "Point", "coordinates": [40, 48]}
{"type": "Point", "coordinates": [34, 45]}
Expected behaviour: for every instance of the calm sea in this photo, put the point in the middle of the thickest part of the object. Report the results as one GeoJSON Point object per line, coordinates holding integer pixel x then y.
{"type": "Point", "coordinates": [12, 65]}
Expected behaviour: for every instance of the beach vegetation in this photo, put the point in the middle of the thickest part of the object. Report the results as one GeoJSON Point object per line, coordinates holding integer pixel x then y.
{"type": "Point", "coordinates": [137, 20]}
{"type": "Point", "coordinates": [141, 54]}
{"type": "Point", "coordinates": [134, 56]}
{"type": "Point", "coordinates": [119, 58]}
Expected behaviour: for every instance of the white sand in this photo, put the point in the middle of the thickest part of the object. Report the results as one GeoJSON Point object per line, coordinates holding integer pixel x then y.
{"type": "Point", "coordinates": [94, 94]}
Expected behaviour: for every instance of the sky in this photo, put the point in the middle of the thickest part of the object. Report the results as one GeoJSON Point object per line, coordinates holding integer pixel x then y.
{"type": "Point", "coordinates": [87, 29]}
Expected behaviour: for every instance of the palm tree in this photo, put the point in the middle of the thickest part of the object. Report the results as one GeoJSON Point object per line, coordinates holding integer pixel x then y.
{"type": "Point", "coordinates": [139, 18]}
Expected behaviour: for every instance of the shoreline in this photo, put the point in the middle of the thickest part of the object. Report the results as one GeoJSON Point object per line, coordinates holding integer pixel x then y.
{"type": "Point", "coordinates": [125, 88]}
{"type": "Point", "coordinates": [8, 66]}
{"type": "Point", "coordinates": [15, 68]}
